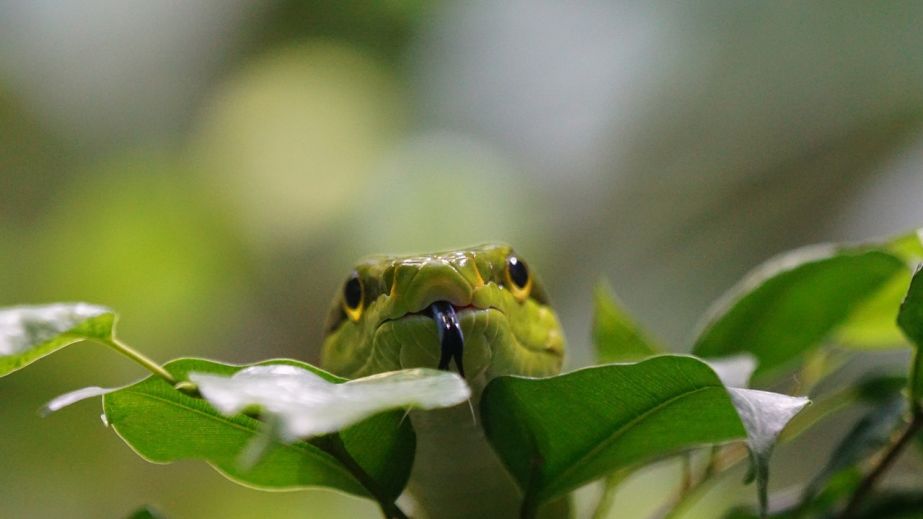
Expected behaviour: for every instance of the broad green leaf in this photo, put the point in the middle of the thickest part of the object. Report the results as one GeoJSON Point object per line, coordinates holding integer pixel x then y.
{"type": "Point", "coordinates": [28, 333]}
{"type": "Point", "coordinates": [308, 405]}
{"type": "Point", "coordinates": [910, 319]}
{"type": "Point", "coordinates": [872, 324]}
{"type": "Point", "coordinates": [558, 433]}
{"type": "Point", "coordinates": [617, 337]}
{"type": "Point", "coordinates": [792, 303]}
{"type": "Point", "coordinates": [164, 425]}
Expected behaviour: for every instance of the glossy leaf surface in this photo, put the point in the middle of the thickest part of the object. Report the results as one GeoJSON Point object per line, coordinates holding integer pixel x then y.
{"type": "Point", "coordinates": [910, 320]}
{"type": "Point", "coordinates": [306, 404]}
{"type": "Point", "coordinates": [872, 324]}
{"type": "Point", "coordinates": [793, 302]}
{"type": "Point", "coordinates": [28, 333]}
{"type": "Point", "coordinates": [164, 425]}
{"type": "Point", "coordinates": [558, 433]}
{"type": "Point", "coordinates": [617, 337]}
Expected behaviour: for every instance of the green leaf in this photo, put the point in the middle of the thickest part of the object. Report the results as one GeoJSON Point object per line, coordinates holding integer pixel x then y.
{"type": "Point", "coordinates": [308, 405]}
{"type": "Point", "coordinates": [893, 505]}
{"type": "Point", "coordinates": [793, 302]}
{"type": "Point", "coordinates": [910, 319]}
{"type": "Point", "coordinates": [28, 333]}
{"type": "Point", "coordinates": [558, 433]}
{"type": "Point", "coordinates": [618, 338]}
{"type": "Point", "coordinates": [872, 324]}
{"type": "Point", "coordinates": [164, 425]}
{"type": "Point", "coordinates": [872, 432]}
{"type": "Point", "coordinates": [875, 390]}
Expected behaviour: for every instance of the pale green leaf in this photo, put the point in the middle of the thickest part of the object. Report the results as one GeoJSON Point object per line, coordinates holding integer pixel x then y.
{"type": "Point", "coordinates": [910, 320]}
{"type": "Point", "coordinates": [28, 333]}
{"type": "Point", "coordinates": [617, 337]}
{"type": "Point", "coordinates": [308, 405]}
{"type": "Point", "coordinates": [872, 324]}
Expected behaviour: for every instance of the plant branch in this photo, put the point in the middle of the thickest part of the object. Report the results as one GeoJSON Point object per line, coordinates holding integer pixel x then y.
{"type": "Point", "coordinates": [884, 463]}
{"type": "Point", "coordinates": [719, 462]}
{"type": "Point", "coordinates": [687, 477]}
{"type": "Point", "coordinates": [333, 445]}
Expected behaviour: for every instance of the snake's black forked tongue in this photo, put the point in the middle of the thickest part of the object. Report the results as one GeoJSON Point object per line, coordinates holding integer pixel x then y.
{"type": "Point", "coordinates": [451, 340]}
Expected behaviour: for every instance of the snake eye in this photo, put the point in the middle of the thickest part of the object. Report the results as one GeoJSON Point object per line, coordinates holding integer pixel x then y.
{"type": "Point", "coordinates": [518, 278]}
{"type": "Point", "coordinates": [352, 297]}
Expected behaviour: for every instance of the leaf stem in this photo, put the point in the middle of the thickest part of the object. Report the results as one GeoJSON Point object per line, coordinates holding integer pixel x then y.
{"type": "Point", "coordinates": [333, 445]}
{"type": "Point", "coordinates": [686, 468]}
{"type": "Point", "coordinates": [720, 461]}
{"type": "Point", "coordinates": [610, 487]}
{"type": "Point", "coordinates": [884, 463]}
{"type": "Point", "coordinates": [140, 359]}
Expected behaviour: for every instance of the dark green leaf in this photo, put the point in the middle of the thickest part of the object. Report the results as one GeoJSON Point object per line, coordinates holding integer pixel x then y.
{"type": "Point", "coordinates": [821, 507]}
{"type": "Point", "coordinates": [28, 333]}
{"type": "Point", "coordinates": [874, 390]}
{"type": "Point", "coordinates": [792, 303]}
{"type": "Point", "coordinates": [868, 435]}
{"type": "Point", "coordinates": [557, 433]}
{"type": "Point", "coordinates": [617, 337]}
{"type": "Point", "coordinates": [877, 389]}
{"type": "Point", "coordinates": [893, 505]}
{"type": "Point", "coordinates": [163, 425]}
{"type": "Point", "coordinates": [910, 319]}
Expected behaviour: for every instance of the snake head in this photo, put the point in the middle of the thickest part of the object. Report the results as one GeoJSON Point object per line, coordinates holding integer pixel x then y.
{"type": "Point", "coordinates": [482, 307]}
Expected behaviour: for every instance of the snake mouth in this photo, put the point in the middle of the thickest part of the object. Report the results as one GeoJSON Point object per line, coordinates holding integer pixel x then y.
{"type": "Point", "coordinates": [448, 329]}
{"type": "Point", "coordinates": [451, 338]}
{"type": "Point", "coordinates": [449, 319]}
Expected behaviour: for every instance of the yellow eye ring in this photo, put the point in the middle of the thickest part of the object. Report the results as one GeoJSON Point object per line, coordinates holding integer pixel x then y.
{"type": "Point", "coordinates": [518, 279]}
{"type": "Point", "coordinates": [353, 297]}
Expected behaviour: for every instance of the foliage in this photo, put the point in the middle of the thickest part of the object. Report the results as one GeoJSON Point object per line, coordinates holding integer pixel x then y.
{"type": "Point", "coordinates": [283, 424]}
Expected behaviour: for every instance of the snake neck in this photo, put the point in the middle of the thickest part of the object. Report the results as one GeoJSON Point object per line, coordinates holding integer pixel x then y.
{"type": "Point", "coordinates": [456, 473]}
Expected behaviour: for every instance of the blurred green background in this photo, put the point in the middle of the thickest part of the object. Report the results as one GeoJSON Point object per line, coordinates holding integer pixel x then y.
{"type": "Point", "coordinates": [211, 170]}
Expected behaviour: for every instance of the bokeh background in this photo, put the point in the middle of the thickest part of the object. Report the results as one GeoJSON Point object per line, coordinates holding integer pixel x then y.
{"type": "Point", "coordinates": [211, 169]}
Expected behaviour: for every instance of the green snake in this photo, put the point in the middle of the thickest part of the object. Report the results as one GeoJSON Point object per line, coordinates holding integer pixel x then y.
{"type": "Point", "coordinates": [480, 309]}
